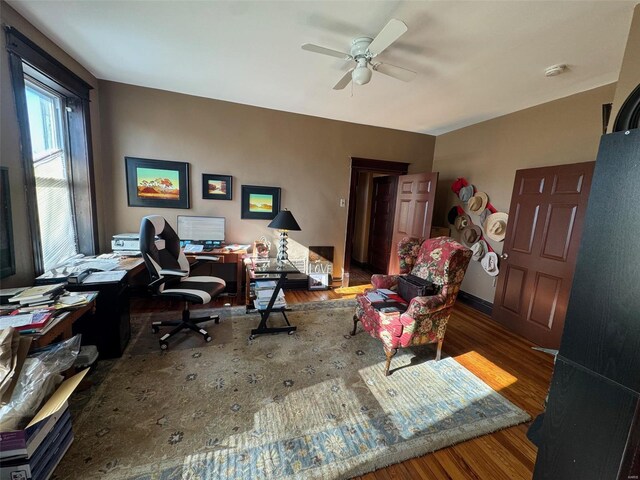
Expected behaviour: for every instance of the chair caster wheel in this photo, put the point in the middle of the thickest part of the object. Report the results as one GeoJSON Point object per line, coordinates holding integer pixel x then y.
{"type": "Point", "coordinates": [155, 329]}
{"type": "Point", "coordinates": [207, 338]}
{"type": "Point", "coordinates": [251, 337]}
{"type": "Point", "coordinates": [163, 345]}
{"type": "Point", "coordinates": [217, 320]}
{"type": "Point", "coordinates": [291, 332]}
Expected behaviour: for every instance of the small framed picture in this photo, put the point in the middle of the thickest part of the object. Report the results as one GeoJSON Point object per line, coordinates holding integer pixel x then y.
{"type": "Point", "coordinates": [318, 281]}
{"type": "Point", "coordinates": [157, 183]}
{"type": "Point", "coordinates": [216, 187]}
{"type": "Point", "coordinates": [260, 203]}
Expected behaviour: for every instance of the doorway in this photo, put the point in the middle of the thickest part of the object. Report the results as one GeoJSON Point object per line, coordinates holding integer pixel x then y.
{"type": "Point", "coordinates": [361, 193]}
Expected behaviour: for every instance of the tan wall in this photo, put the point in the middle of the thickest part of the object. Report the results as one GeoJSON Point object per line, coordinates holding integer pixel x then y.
{"type": "Point", "coordinates": [10, 155]}
{"type": "Point", "coordinates": [489, 153]}
{"type": "Point", "coordinates": [308, 157]}
{"type": "Point", "coordinates": [630, 71]}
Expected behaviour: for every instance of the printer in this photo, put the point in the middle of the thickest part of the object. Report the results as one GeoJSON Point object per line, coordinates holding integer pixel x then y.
{"type": "Point", "coordinates": [130, 242]}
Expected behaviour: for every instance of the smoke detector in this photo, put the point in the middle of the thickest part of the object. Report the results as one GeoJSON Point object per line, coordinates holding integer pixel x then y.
{"type": "Point", "coordinates": [554, 70]}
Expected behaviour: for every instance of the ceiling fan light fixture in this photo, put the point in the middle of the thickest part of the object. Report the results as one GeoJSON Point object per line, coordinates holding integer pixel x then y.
{"type": "Point", "coordinates": [361, 74]}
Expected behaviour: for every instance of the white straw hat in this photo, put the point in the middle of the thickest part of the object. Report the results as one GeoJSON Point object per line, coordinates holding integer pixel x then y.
{"type": "Point", "coordinates": [495, 226]}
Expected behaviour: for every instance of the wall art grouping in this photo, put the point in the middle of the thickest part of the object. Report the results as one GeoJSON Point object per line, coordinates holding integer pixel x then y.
{"type": "Point", "coordinates": [165, 184]}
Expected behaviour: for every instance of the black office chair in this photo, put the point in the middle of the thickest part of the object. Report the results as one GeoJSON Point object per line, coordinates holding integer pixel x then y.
{"type": "Point", "coordinates": [169, 272]}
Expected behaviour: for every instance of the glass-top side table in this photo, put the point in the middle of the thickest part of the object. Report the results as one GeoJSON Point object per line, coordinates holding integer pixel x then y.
{"type": "Point", "coordinates": [272, 269]}
{"type": "Point", "coordinates": [272, 265]}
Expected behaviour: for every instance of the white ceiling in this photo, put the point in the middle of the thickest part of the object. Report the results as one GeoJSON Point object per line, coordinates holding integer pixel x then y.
{"type": "Point", "coordinates": [475, 60]}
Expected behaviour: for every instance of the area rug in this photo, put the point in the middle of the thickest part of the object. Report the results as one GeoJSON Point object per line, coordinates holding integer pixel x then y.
{"type": "Point", "coordinates": [315, 404]}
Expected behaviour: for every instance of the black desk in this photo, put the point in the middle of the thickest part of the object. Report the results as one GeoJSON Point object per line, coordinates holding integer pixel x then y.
{"type": "Point", "coordinates": [109, 328]}
{"type": "Point", "coordinates": [272, 270]}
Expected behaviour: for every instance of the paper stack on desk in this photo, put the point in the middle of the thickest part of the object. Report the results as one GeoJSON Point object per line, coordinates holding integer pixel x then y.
{"type": "Point", "coordinates": [105, 277]}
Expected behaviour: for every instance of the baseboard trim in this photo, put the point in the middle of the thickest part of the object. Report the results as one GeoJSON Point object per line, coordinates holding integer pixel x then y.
{"type": "Point", "coordinates": [476, 302]}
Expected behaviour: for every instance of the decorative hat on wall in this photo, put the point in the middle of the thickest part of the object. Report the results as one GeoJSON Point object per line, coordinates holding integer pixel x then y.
{"type": "Point", "coordinates": [466, 193]}
{"type": "Point", "coordinates": [479, 250]}
{"type": "Point", "coordinates": [452, 215]}
{"type": "Point", "coordinates": [471, 234]}
{"type": "Point", "coordinates": [478, 203]}
{"type": "Point", "coordinates": [496, 226]}
{"type": "Point", "coordinates": [461, 222]}
{"type": "Point", "coordinates": [457, 185]}
{"type": "Point", "coordinates": [490, 263]}
{"type": "Point", "coordinates": [484, 215]}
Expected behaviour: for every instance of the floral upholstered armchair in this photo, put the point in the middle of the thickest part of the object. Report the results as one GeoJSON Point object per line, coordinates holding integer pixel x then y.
{"type": "Point", "coordinates": [442, 261]}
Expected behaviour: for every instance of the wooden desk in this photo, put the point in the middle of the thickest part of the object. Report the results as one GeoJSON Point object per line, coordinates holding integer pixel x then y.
{"type": "Point", "coordinates": [63, 330]}
{"type": "Point", "coordinates": [226, 256]}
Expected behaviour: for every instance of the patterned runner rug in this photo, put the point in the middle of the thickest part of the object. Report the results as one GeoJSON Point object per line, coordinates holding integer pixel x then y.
{"type": "Point", "coordinates": [311, 405]}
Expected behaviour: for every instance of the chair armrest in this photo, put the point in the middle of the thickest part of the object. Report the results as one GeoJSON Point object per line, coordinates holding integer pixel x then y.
{"type": "Point", "coordinates": [384, 281]}
{"type": "Point", "coordinates": [166, 272]}
{"type": "Point", "coordinates": [427, 305]}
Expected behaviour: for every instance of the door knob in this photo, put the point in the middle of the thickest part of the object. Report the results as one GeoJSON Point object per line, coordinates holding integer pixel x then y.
{"type": "Point", "coordinates": [504, 256]}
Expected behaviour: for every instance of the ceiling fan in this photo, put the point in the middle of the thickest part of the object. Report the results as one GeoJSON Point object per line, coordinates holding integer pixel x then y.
{"type": "Point", "coordinates": [363, 51]}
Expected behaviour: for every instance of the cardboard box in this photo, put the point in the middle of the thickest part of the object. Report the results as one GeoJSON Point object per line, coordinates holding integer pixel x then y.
{"type": "Point", "coordinates": [23, 443]}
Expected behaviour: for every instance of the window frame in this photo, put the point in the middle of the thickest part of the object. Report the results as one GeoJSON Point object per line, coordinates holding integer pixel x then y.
{"type": "Point", "coordinates": [27, 58]}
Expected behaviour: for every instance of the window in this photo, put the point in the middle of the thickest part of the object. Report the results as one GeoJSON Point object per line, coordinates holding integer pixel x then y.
{"type": "Point", "coordinates": [53, 114]}
{"type": "Point", "coordinates": [58, 236]}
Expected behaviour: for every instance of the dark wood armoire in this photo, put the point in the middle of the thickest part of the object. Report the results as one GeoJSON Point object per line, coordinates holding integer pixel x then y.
{"type": "Point", "coordinates": [591, 429]}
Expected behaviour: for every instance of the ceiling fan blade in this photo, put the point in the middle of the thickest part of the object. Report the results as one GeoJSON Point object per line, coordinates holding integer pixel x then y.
{"type": "Point", "coordinates": [326, 51]}
{"type": "Point", "coordinates": [391, 32]}
{"type": "Point", "coordinates": [396, 72]}
{"type": "Point", "coordinates": [344, 81]}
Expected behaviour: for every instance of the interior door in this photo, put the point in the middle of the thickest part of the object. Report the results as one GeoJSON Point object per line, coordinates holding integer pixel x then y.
{"type": "Point", "coordinates": [414, 211]}
{"type": "Point", "coordinates": [540, 247]}
{"type": "Point", "coordinates": [383, 203]}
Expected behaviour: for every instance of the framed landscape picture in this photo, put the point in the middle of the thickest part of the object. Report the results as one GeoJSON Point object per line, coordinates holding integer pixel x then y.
{"type": "Point", "coordinates": [216, 187]}
{"type": "Point", "coordinates": [157, 183]}
{"type": "Point", "coordinates": [260, 203]}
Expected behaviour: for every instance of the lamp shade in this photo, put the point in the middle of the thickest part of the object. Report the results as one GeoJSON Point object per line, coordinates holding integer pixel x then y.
{"type": "Point", "coordinates": [284, 221]}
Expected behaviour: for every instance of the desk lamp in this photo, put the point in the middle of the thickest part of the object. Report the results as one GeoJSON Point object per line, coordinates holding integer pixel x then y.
{"type": "Point", "coordinates": [284, 222]}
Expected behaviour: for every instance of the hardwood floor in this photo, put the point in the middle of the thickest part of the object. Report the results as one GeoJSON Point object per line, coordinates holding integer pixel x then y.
{"type": "Point", "coordinates": [501, 359]}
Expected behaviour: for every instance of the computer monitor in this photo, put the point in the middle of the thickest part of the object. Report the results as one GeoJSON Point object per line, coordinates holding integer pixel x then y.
{"type": "Point", "coordinates": [208, 231]}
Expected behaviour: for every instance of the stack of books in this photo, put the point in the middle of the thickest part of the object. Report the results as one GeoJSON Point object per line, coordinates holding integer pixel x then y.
{"type": "Point", "coordinates": [43, 449]}
{"type": "Point", "coordinates": [38, 320]}
{"type": "Point", "coordinates": [26, 322]}
{"type": "Point", "coordinates": [40, 295]}
{"type": "Point", "coordinates": [264, 291]}
{"type": "Point", "coordinates": [33, 452]}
